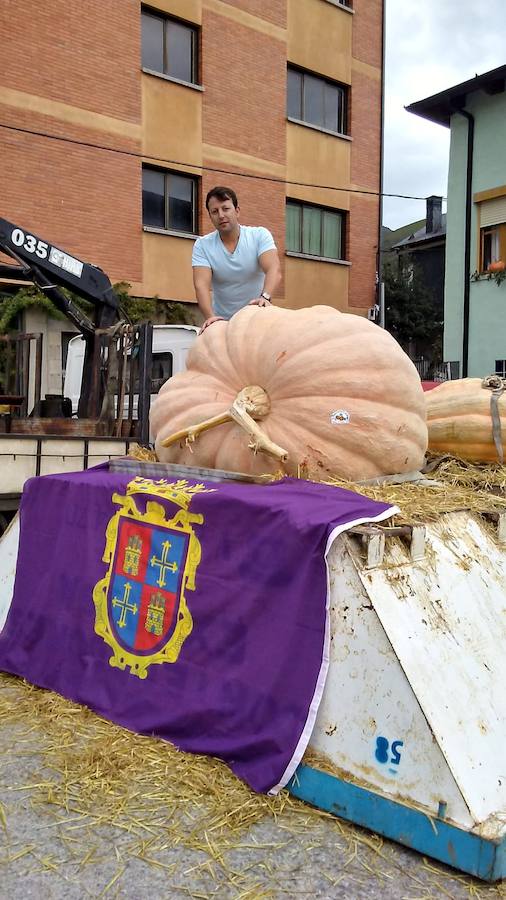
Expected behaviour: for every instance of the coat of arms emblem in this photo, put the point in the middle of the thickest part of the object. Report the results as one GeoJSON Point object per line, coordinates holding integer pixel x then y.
{"type": "Point", "coordinates": [140, 605]}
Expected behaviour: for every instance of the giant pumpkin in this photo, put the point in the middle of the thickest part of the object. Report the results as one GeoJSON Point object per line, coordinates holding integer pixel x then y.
{"type": "Point", "coordinates": [460, 419]}
{"type": "Point", "coordinates": [277, 389]}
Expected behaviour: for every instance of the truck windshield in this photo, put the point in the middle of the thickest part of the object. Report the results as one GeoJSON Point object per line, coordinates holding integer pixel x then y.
{"type": "Point", "coordinates": [163, 365]}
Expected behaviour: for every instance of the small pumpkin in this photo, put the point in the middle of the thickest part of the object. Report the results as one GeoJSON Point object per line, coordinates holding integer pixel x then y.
{"type": "Point", "coordinates": [283, 389]}
{"type": "Point", "coordinates": [460, 419]}
{"type": "Point", "coordinates": [497, 266]}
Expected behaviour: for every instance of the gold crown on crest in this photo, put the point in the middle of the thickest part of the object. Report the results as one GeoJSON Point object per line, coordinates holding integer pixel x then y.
{"type": "Point", "coordinates": [179, 492]}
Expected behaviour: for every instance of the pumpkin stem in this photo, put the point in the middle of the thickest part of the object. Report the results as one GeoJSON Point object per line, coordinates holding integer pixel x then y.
{"type": "Point", "coordinates": [260, 443]}
{"type": "Point", "coordinates": [251, 403]}
{"type": "Point", "coordinates": [190, 433]}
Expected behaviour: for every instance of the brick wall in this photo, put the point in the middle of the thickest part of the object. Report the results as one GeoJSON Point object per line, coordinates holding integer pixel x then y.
{"type": "Point", "coordinates": [365, 157]}
{"type": "Point", "coordinates": [273, 11]}
{"type": "Point", "coordinates": [244, 111]}
{"type": "Point", "coordinates": [86, 57]}
{"type": "Point", "coordinates": [86, 54]}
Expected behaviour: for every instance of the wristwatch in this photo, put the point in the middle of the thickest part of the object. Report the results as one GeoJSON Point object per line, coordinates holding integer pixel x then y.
{"type": "Point", "coordinates": [266, 296]}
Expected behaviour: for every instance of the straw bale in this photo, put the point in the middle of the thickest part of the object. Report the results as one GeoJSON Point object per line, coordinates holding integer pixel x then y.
{"type": "Point", "coordinates": [144, 454]}
{"type": "Point", "coordinates": [94, 774]}
{"type": "Point", "coordinates": [449, 485]}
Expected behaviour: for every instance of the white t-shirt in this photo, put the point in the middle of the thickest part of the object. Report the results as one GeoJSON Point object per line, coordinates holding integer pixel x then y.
{"type": "Point", "coordinates": [237, 277]}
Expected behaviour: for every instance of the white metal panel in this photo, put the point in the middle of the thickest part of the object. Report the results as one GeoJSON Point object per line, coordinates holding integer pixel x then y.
{"type": "Point", "coordinates": [170, 337]}
{"type": "Point", "coordinates": [370, 724]}
{"type": "Point", "coordinates": [446, 620]}
{"type": "Point", "coordinates": [69, 455]}
{"type": "Point", "coordinates": [17, 463]}
{"type": "Point", "coordinates": [102, 451]}
{"type": "Point", "coordinates": [61, 456]}
{"type": "Point", "coordinates": [8, 559]}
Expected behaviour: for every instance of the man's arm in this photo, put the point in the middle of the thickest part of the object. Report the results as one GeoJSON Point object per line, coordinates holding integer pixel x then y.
{"type": "Point", "coordinates": [202, 280]}
{"type": "Point", "coordinates": [202, 276]}
{"type": "Point", "coordinates": [271, 266]}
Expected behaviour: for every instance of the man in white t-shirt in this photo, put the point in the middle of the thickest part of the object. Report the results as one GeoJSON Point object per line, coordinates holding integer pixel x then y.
{"type": "Point", "coordinates": [235, 265]}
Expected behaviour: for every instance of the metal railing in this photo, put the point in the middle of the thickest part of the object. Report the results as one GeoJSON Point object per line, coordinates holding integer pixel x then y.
{"type": "Point", "coordinates": [16, 371]}
{"type": "Point", "coordinates": [441, 371]}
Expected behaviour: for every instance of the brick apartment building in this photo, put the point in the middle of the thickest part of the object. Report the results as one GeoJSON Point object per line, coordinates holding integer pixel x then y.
{"type": "Point", "coordinates": [117, 117]}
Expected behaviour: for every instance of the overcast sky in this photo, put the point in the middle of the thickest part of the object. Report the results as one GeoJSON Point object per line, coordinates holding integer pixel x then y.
{"type": "Point", "coordinates": [431, 45]}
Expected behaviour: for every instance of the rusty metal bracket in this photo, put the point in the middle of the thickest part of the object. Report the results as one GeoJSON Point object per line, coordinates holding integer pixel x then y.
{"type": "Point", "coordinates": [374, 538]}
{"type": "Point", "coordinates": [499, 519]}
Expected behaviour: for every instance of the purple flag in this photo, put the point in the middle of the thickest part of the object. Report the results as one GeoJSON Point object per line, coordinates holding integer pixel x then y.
{"type": "Point", "coordinates": [195, 612]}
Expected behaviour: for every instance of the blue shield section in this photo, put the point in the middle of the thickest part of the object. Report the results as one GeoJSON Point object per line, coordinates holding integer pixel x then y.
{"type": "Point", "coordinates": [166, 560]}
{"type": "Point", "coordinates": [124, 607]}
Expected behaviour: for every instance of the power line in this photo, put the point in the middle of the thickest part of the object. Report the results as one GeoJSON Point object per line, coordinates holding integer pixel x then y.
{"type": "Point", "coordinates": [178, 162]}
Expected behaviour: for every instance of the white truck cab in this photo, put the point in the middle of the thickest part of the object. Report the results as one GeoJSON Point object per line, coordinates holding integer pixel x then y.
{"type": "Point", "coordinates": [171, 344]}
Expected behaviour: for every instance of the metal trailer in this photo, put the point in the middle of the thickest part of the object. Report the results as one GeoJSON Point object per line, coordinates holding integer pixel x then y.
{"type": "Point", "coordinates": [411, 732]}
{"type": "Point", "coordinates": [410, 736]}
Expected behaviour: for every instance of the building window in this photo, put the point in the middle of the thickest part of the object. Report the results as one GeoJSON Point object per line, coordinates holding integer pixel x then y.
{"type": "Point", "coordinates": [492, 232]}
{"type": "Point", "coordinates": [493, 245]}
{"type": "Point", "coordinates": [169, 47]}
{"type": "Point", "coordinates": [317, 101]}
{"type": "Point", "coordinates": [500, 367]}
{"type": "Point", "coordinates": [314, 230]}
{"type": "Point", "coordinates": [169, 200]}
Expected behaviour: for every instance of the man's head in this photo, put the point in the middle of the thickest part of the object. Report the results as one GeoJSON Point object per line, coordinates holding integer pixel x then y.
{"type": "Point", "coordinates": [223, 209]}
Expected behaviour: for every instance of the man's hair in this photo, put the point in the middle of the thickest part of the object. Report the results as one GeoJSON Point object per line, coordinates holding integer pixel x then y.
{"type": "Point", "coordinates": [222, 193]}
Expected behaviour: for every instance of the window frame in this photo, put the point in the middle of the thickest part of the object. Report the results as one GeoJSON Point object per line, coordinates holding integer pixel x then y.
{"type": "Point", "coordinates": [495, 231]}
{"type": "Point", "coordinates": [165, 20]}
{"type": "Point", "coordinates": [343, 106]}
{"type": "Point", "coordinates": [343, 217]}
{"type": "Point", "coordinates": [342, 4]}
{"type": "Point", "coordinates": [167, 173]}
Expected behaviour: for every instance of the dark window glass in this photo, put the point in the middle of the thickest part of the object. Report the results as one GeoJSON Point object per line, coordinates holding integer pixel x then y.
{"type": "Point", "coordinates": [161, 371]}
{"type": "Point", "coordinates": [317, 101]}
{"type": "Point", "coordinates": [153, 198]}
{"type": "Point", "coordinates": [490, 246]}
{"type": "Point", "coordinates": [293, 227]}
{"type": "Point", "coordinates": [331, 102]}
{"type": "Point", "coordinates": [313, 109]}
{"type": "Point", "coordinates": [331, 235]}
{"type": "Point", "coordinates": [168, 200]}
{"type": "Point", "coordinates": [169, 47]}
{"type": "Point", "coordinates": [152, 42]}
{"type": "Point", "coordinates": [342, 124]}
{"type": "Point", "coordinates": [181, 203]}
{"type": "Point", "coordinates": [311, 230]}
{"type": "Point", "coordinates": [294, 94]}
{"type": "Point", "coordinates": [180, 51]}
{"type": "Point", "coordinates": [314, 231]}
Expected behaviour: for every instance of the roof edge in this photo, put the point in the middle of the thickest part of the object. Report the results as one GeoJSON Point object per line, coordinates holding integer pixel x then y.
{"type": "Point", "coordinates": [440, 107]}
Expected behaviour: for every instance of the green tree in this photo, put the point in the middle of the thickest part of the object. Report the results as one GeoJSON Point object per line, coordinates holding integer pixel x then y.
{"type": "Point", "coordinates": [413, 314]}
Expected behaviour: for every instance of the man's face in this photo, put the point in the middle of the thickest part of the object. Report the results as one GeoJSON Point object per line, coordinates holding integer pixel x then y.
{"type": "Point", "coordinates": [224, 215]}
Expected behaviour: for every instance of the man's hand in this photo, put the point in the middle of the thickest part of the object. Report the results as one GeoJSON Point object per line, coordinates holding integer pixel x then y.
{"type": "Point", "coordinates": [210, 321]}
{"type": "Point", "coordinates": [259, 301]}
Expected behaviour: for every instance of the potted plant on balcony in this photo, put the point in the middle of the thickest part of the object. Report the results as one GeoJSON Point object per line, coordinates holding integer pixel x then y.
{"type": "Point", "coordinates": [497, 270]}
